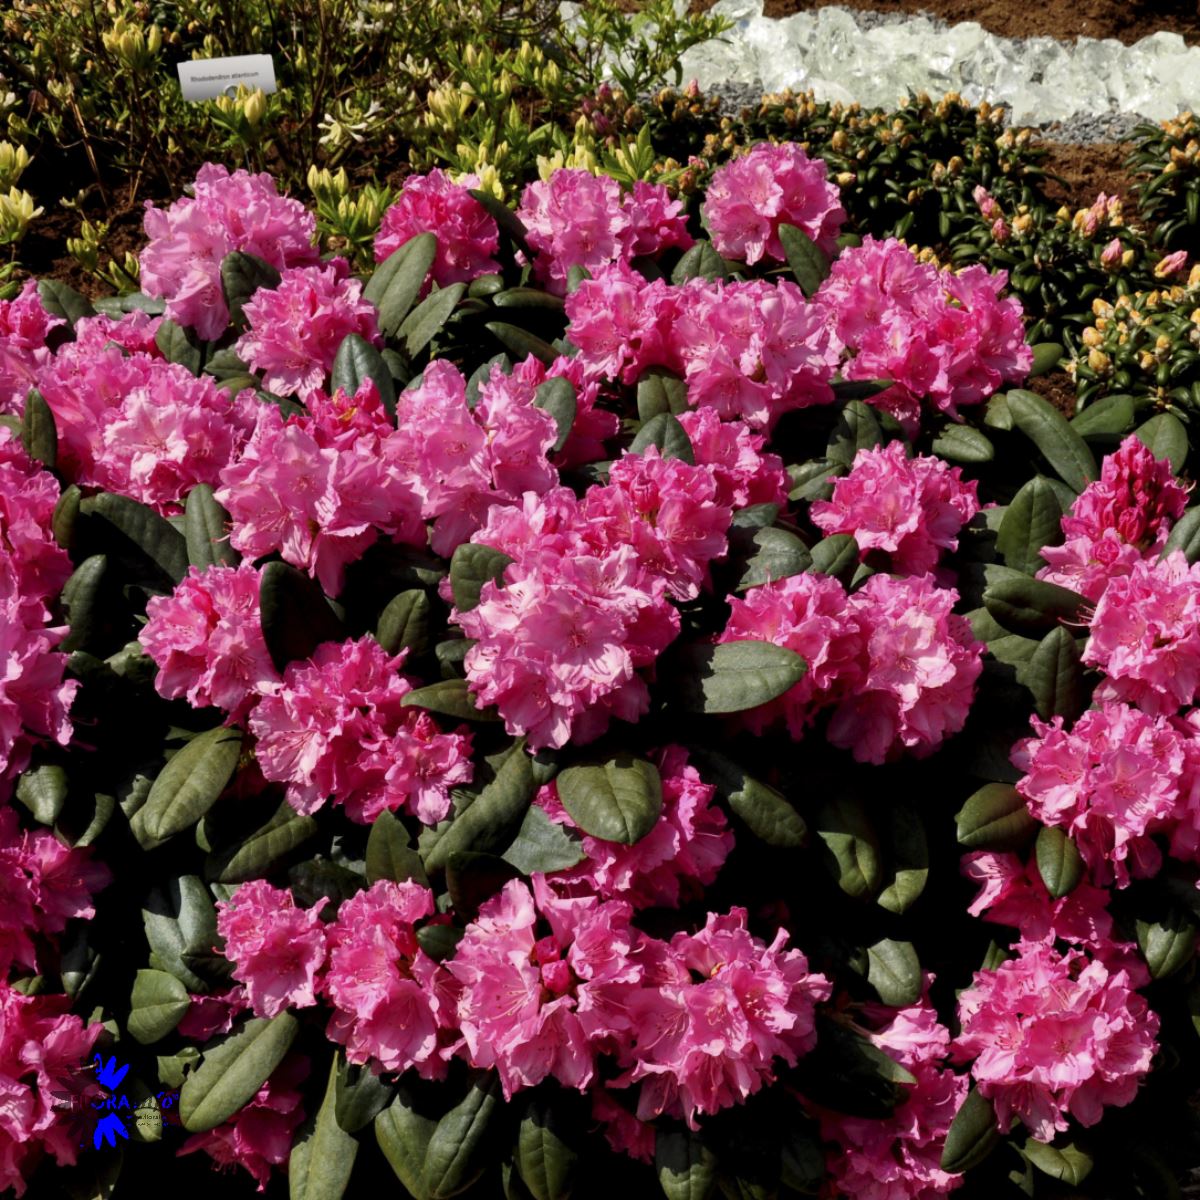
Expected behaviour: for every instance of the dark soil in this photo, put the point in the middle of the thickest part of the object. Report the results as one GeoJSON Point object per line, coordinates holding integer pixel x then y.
{"type": "Point", "coordinates": [1086, 171]}
{"type": "Point", "coordinates": [1127, 20]}
{"type": "Point", "coordinates": [44, 249]}
{"type": "Point", "coordinates": [1057, 387]}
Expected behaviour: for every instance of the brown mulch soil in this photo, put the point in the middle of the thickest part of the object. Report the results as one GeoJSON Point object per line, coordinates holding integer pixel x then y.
{"type": "Point", "coordinates": [1086, 171]}
{"type": "Point", "coordinates": [44, 248]}
{"type": "Point", "coordinates": [1127, 20]}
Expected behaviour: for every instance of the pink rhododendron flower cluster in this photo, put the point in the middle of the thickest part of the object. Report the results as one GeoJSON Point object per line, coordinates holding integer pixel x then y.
{"type": "Point", "coordinates": [675, 861]}
{"type": "Point", "coordinates": [316, 496]}
{"type": "Point", "coordinates": [751, 350]}
{"type": "Point", "coordinates": [460, 460]}
{"type": "Point", "coordinates": [34, 699]}
{"type": "Point", "coordinates": [744, 474]}
{"type": "Point", "coordinates": [392, 1002]}
{"type": "Point", "coordinates": [207, 641]}
{"type": "Point", "coordinates": [227, 212]}
{"type": "Point", "coordinates": [467, 233]}
{"type": "Point", "coordinates": [336, 727]}
{"type": "Point", "coordinates": [295, 328]}
{"type": "Point", "coordinates": [936, 334]}
{"type": "Point", "coordinates": [1055, 1034]}
{"type": "Point", "coordinates": [43, 884]}
{"type": "Point", "coordinates": [41, 1048]}
{"type": "Point", "coordinates": [724, 1007]}
{"type": "Point", "coordinates": [259, 1135]}
{"type": "Point", "coordinates": [899, 1158]}
{"type": "Point", "coordinates": [24, 327]}
{"type": "Point", "coordinates": [575, 218]}
{"type": "Point", "coordinates": [1116, 521]}
{"type": "Point", "coordinates": [892, 660]}
{"type": "Point", "coordinates": [276, 947]}
{"type": "Point", "coordinates": [910, 508]}
{"type": "Point", "coordinates": [583, 606]}
{"type": "Point", "coordinates": [750, 197]}
{"type": "Point", "coordinates": [1145, 635]}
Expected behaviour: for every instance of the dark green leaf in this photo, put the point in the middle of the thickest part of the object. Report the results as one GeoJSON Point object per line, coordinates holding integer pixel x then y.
{"type": "Point", "coordinates": [404, 1135]}
{"type": "Point", "coordinates": [180, 921]}
{"type": "Point", "coordinates": [494, 817]}
{"type": "Point", "coordinates": [39, 435]}
{"type": "Point", "coordinates": [66, 513]}
{"type": "Point", "coordinates": [1054, 674]}
{"type": "Point", "coordinates": [557, 397]}
{"type": "Point", "coordinates": [451, 698]}
{"type": "Point", "coordinates": [1058, 861]}
{"type": "Point", "coordinates": [1186, 536]}
{"type": "Point", "coordinates": [995, 818]}
{"type": "Point", "coordinates": [1027, 606]}
{"type": "Point", "coordinates": [422, 325]}
{"type": "Point", "coordinates": [404, 623]}
{"type": "Point", "coordinates": [1165, 437]}
{"type": "Point", "coordinates": [241, 276]}
{"type": "Point", "coordinates": [356, 360]}
{"type": "Point", "coordinates": [618, 800]}
{"type": "Point", "coordinates": [206, 530]}
{"type": "Point", "coordinates": [686, 1167]}
{"type": "Point", "coordinates": [234, 1067]}
{"type": "Point", "coordinates": [658, 391]}
{"type": "Point", "coordinates": [963, 444]}
{"type": "Point", "coordinates": [998, 415]}
{"type": "Point", "coordinates": [190, 784]}
{"type": "Point", "coordinates": [1110, 416]}
{"type": "Point", "coordinates": [836, 555]}
{"type": "Point", "coordinates": [1031, 521]}
{"type": "Point", "coordinates": [390, 853]}
{"type": "Point", "coordinates": [322, 1157]}
{"type": "Point", "coordinates": [508, 221]}
{"type": "Point", "coordinates": [252, 857]}
{"type": "Point", "coordinates": [471, 566]}
{"type": "Point", "coordinates": [527, 297]}
{"type": "Point", "coordinates": [158, 1004]}
{"type": "Point", "coordinates": [766, 812]}
{"type": "Point", "coordinates": [734, 676]}
{"type": "Point", "coordinates": [860, 389]}
{"type": "Point", "coordinates": [1046, 357]}
{"type": "Point", "coordinates": [1068, 1163]}
{"type": "Point", "coordinates": [972, 1136]}
{"type": "Point", "coordinates": [360, 1095]}
{"type": "Point", "coordinates": [908, 859]}
{"type": "Point", "coordinates": [1050, 432]}
{"type": "Point", "coordinates": [856, 429]}
{"type": "Point", "coordinates": [894, 971]}
{"type": "Point", "coordinates": [472, 879]}
{"type": "Point", "coordinates": [152, 535]}
{"type": "Point", "coordinates": [61, 300]}
{"type": "Point", "coordinates": [547, 1155]}
{"type": "Point", "coordinates": [847, 1073]}
{"type": "Point", "coordinates": [521, 342]}
{"type": "Point", "coordinates": [665, 432]}
{"type": "Point", "coordinates": [853, 846]}
{"type": "Point", "coordinates": [457, 1154]}
{"type": "Point", "coordinates": [82, 599]}
{"type": "Point", "coordinates": [439, 941]}
{"type": "Point", "coordinates": [542, 845]}
{"type": "Point", "coordinates": [767, 554]}
{"type": "Point", "coordinates": [809, 263]}
{"type": "Point", "coordinates": [179, 345]}
{"type": "Point", "coordinates": [398, 281]}
{"type": "Point", "coordinates": [43, 790]}
{"type": "Point", "coordinates": [699, 262]}
{"type": "Point", "coordinates": [296, 617]}
{"type": "Point", "coordinates": [1167, 944]}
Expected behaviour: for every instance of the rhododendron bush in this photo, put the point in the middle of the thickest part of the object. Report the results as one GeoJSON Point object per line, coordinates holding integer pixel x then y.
{"type": "Point", "coordinates": [628, 694]}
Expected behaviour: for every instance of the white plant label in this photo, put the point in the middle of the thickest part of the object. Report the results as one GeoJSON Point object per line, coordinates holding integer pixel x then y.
{"type": "Point", "coordinates": [207, 78]}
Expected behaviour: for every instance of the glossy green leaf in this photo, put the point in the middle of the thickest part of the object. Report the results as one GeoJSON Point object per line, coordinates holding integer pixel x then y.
{"type": "Point", "coordinates": [39, 434]}
{"type": "Point", "coordinates": [471, 567]}
{"type": "Point", "coordinates": [397, 281]}
{"type": "Point", "coordinates": [701, 261]}
{"type": "Point", "coordinates": [473, 878]}
{"type": "Point", "coordinates": [360, 1095]}
{"type": "Point", "coordinates": [667, 434]}
{"type": "Point", "coordinates": [1107, 417]}
{"type": "Point", "coordinates": [43, 790]}
{"type": "Point", "coordinates": [521, 342]}
{"type": "Point", "coordinates": [61, 300]}
{"type": "Point", "coordinates": [972, 1136]}
{"type": "Point", "coordinates": [158, 1004]}
{"type": "Point", "coordinates": [1054, 674]}
{"type": "Point", "coordinates": [1051, 433]}
{"type": "Point", "coordinates": [963, 444]}
{"type": "Point", "coordinates": [456, 1155]}
{"type": "Point", "coordinates": [190, 784]}
{"type": "Point", "coordinates": [855, 429]}
{"type": "Point", "coordinates": [765, 811]}
{"type": "Point", "coordinates": [180, 921]}
{"type": "Point", "coordinates": [809, 263]}
{"type": "Point", "coordinates": [907, 858]}
{"type": "Point", "coordinates": [1031, 606]}
{"type": "Point", "coordinates": [733, 676]}
{"type": "Point", "coordinates": [253, 856]}
{"type": "Point", "coordinates": [768, 554]}
{"type": "Point", "coordinates": [894, 971]}
{"type": "Point", "coordinates": [527, 297]}
{"type": "Point", "coordinates": [1031, 521]}
{"type": "Point", "coordinates": [543, 845]}
{"type": "Point", "coordinates": [659, 391]}
{"type": "Point", "coordinates": [1165, 437]}
{"type": "Point", "coordinates": [356, 360]}
{"type": "Point", "coordinates": [233, 1068]}
{"type": "Point", "coordinates": [1058, 861]}
{"type": "Point", "coordinates": [241, 276]}
{"type": "Point", "coordinates": [994, 818]}
{"type": "Point", "coordinates": [852, 843]}
{"type": "Point", "coordinates": [836, 555]}
{"type": "Point", "coordinates": [1046, 357]}
{"type": "Point", "coordinates": [547, 1155]}
{"type": "Point", "coordinates": [508, 220]}
{"type": "Point", "coordinates": [404, 1135]}
{"type": "Point", "coordinates": [152, 535]}
{"type": "Point", "coordinates": [404, 623]}
{"type": "Point", "coordinates": [425, 321]}
{"type": "Point", "coordinates": [390, 853]}
{"type": "Point", "coordinates": [557, 397]}
{"type": "Point", "coordinates": [83, 602]}
{"type": "Point", "coordinates": [686, 1167]}
{"type": "Point", "coordinates": [296, 617]}
{"type": "Point", "coordinates": [322, 1157]}
{"type": "Point", "coordinates": [618, 800]}
{"type": "Point", "coordinates": [1168, 943]}
{"type": "Point", "coordinates": [1067, 1163]}
{"type": "Point", "coordinates": [1185, 536]}
{"type": "Point", "coordinates": [450, 698]}
{"type": "Point", "coordinates": [179, 345]}
{"type": "Point", "coordinates": [206, 527]}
